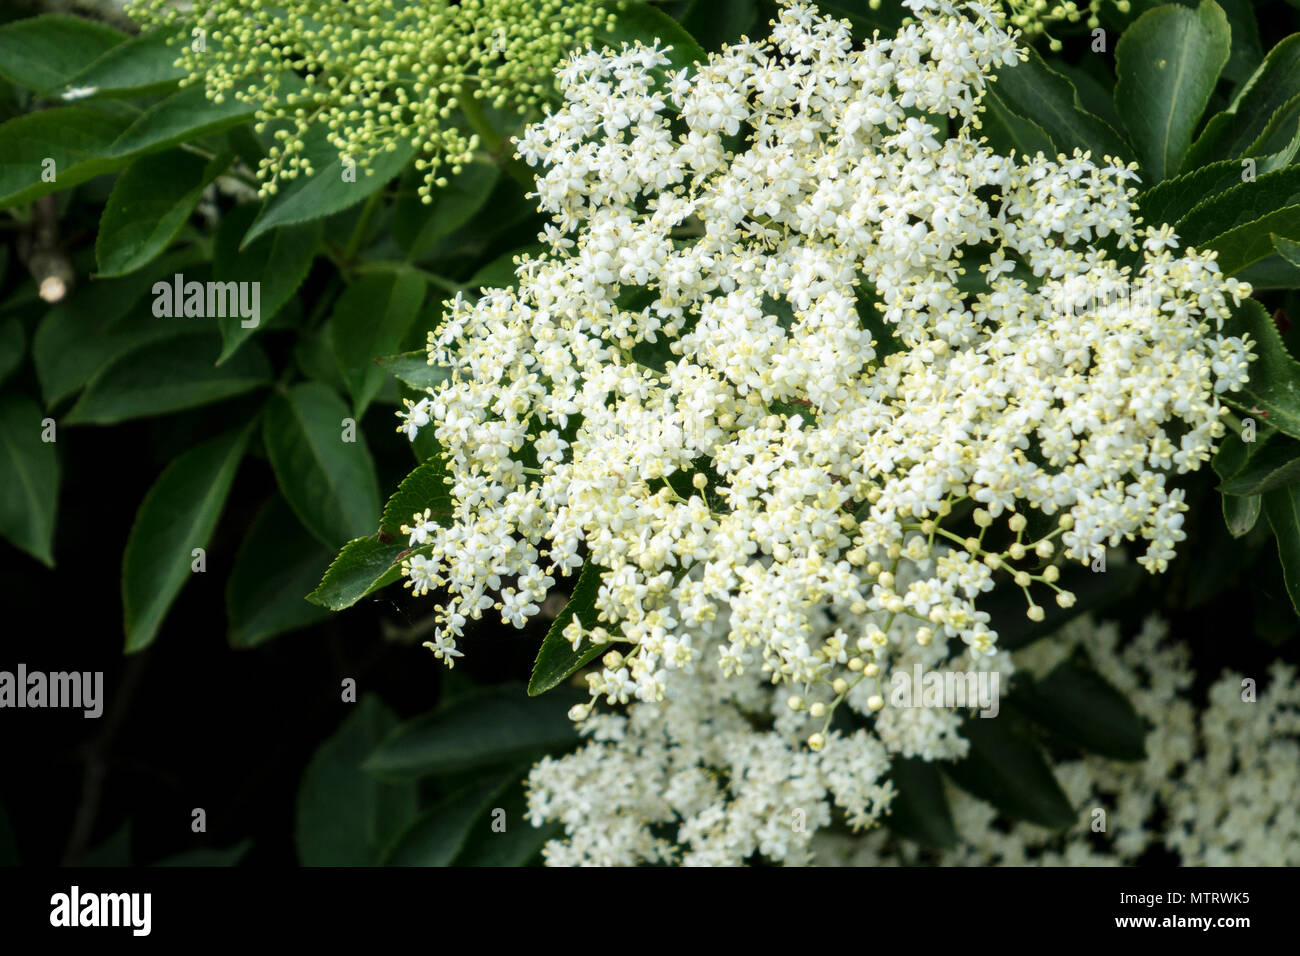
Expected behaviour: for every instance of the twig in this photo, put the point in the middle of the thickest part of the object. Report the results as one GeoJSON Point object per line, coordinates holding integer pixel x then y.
{"type": "Point", "coordinates": [40, 249]}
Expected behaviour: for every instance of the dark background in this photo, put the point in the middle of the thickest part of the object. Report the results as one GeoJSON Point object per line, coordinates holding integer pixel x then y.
{"type": "Point", "coordinates": [189, 722]}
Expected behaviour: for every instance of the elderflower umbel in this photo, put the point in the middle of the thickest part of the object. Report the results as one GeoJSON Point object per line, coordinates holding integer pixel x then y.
{"type": "Point", "coordinates": [760, 384]}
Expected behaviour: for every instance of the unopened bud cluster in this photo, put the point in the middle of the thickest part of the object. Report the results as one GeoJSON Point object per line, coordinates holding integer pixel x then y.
{"type": "Point", "coordinates": [374, 73]}
{"type": "Point", "coordinates": [1035, 17]}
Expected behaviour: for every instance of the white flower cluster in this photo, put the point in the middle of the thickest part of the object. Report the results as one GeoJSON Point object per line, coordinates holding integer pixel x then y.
{"type": "Point", "coordinates": [1214, 790]}
{"type": "Point", "coordinates": [717, 773]}
{"type": "Point", "coordinates": [806, 347]}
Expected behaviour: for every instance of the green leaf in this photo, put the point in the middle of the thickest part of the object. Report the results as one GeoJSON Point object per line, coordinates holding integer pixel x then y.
{"type": "Point", "coordinates": [143, 64]}
{"type": "Point", "coordinates": [1253, 242]}
{"type": "Point", "coordinates": [278, 563]}
{"type": "Point", "coordinates": [1167, 64]}
{"type": "Point", "coordinates": [369, 320]}
{"type": "Point", "coordinates": [1233, 452]}
{"type": "Point", "coordinates": [499, 725]}
{"type": "Point", "coordinates": [1277, 464]}
{"type": "Point", "coordinates": [425, 488]}
{"type": "Point", "coordinates": [507, 838]}
{"type": "Point", "coordinates": [184, 116]}
{"type": "Point", "coordinates": [55, 149]}
{"type": "Point", "coordinates": [438, 835]}
{"type": "Point", "coordinates": [1284, 150]}
{"type": "Point", "coordinates": [1033, 91]}
{"type": "Point", "coordinates": [1007, 131]}
{"type": "Point", "coordinates": [1095, 95]}
{"type": "Point", "coordinates": [1230, 133]}
{"type": "Point", "coordinates": [43, 53]}
{"type": "Point", "coordinates": [362, 567]}
{"type": "Point", "coordinates": [280, 262]}
{"type": "Point", "coordinates": [920, 810]}
{"type": "Point", "coordinates": [345, 817]}
{"type": "Point", "coordinates": [13, 346]}
{"type": "Point", "coordinates": [150, 202]}
{"type": "Point", "coordinates": [100, 322]}
{"type": "Point", "coordinates": [418, 227]}
{"type": "Point", "coordinates": [1171, 200]}
{"type": "Point", "coordinates": [315, 359]}
{"type": "Point", "coordinates": [1278, 133]}
{"type": "Point", "coordinates": [1007, 769]}
{"type": "Point", "coordinates": [1079, 705]}
{"type": "Point", "coordinates": [1271, 272]}
{"type": "Point", "coordinates": [29, 474]}
{"type": "Point", "coordinates": [330, 482]}
{"type": "Point", "coordinates": [1270, 162]}
{"type": "Point", "coordinates": [44, 152]}
{"type": "Point", "coordinates": [1247, 204]}
{"type": "Point", "coordinates": [1273, 391]}
{"type": "Point", "coordinates": [1283, 509]}
{"type": "Point", "coordinates": [640, 21]}
{"type": "Point", "coordinates": [326, 192]}
{"type": "Point", "coordinates": [1288, 249]}
{"type": "Point", "coordinates": [167, 376]}
{"type": "Point", "coordinates": [413, 369]}
{"type": "Point", "coordinates": [1241, 514]}
{"type": "Point", "coordinates": [177, 515]}
{"type": "Point", "coordinates": [557, 659]}
{"type": "Point", "coordinates": [1239, 223]}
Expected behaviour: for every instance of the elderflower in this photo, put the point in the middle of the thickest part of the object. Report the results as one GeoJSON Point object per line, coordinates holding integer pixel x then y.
{"type": "Point", "coordinates": [693, 781]}
{"type": "Point", "coordinates": [374, 73]}
{"type": "Point", "coordinates": [717, 772]}
{"type": "Point", "coordinates": [799, 335]}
